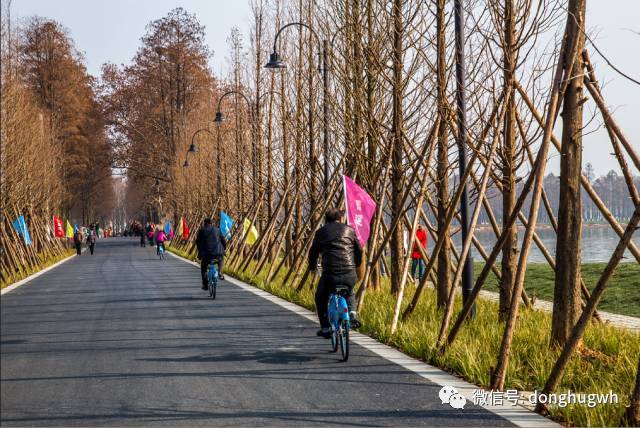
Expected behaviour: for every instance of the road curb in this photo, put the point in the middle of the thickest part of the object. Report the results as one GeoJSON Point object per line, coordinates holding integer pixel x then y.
{"type": "Point", "coordinates": [518, 415]}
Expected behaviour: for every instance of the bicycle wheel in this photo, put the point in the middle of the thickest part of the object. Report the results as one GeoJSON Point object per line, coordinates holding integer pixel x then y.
{"type": "Point", "coordinates": [214, 286]}
{"type": "Point", "coordinates": [344, 340]}
{"type": "Point", "coordinates": [334, 340]}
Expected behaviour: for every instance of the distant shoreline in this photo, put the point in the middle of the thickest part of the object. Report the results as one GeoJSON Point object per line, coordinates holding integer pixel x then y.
{"type": "Point", "coordinates": [547, 226]}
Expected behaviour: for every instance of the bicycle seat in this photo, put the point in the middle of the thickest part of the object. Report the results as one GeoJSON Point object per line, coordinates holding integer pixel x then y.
{"type": "Point", "coordinates": [342, 289]}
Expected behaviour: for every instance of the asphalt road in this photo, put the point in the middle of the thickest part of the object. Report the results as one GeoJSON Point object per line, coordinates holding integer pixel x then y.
{"type": "Point", "coordinates": [122, 338]}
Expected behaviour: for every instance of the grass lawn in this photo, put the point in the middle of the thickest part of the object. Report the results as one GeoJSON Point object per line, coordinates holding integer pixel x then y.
{"type": "Point", "coordinates": [622, 295]}
{"type": "Point", "coordinates": [607, 360]}
{"type": "Point", "coordinates": [6, 278]}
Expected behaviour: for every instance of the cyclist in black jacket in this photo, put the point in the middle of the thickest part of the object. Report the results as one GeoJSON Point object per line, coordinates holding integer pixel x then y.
{"type": "Point", "coordinates": [211, 246]}
{"type": "Point", "coordinates": [341, 255]}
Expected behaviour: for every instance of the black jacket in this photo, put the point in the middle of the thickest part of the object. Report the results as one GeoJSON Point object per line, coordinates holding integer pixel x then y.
{"type": "Point", "coordinates": [210, 242]}
{"type": "Point", "coordinates": [339, 246]}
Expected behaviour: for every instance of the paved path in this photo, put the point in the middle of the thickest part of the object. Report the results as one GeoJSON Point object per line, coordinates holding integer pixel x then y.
{"type": "Point", "coordinates": [121, 338]}
{"type": "Point", "coordinates": [623, 321]}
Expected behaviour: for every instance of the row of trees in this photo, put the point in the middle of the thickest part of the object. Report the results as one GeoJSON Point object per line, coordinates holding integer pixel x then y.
{"type": "Point", "coordinates": [376, 80]}
{"type": "Point", "coordinates": [55, 158]}
{"type": "Point", "coordinates": [55, 155]}
{"type": "Point", "coordinates": [153, 107]}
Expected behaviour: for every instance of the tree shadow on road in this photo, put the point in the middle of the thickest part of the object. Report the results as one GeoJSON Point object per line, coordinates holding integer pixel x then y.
{"type": "Point", "coordinates": [265, 357]}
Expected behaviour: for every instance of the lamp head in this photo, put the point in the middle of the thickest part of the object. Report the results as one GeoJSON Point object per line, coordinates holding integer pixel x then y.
{"type": "Point", "coordinates": [193, 148]}
{"type": "Point", "coordinates": [275, 62]}
{"type": "Point", "coordinates": [219, 117]}
{"type": "Point", "coordinates": [186, 163]}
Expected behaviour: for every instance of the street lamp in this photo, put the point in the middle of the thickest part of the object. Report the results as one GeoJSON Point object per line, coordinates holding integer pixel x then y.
{"type": "Point", "coordinates": [275, 63]}
{"type": "Point", "coordinates": [194, 149]}
{"type": "Point", "coordinates": [253, 109]}
{"type": "Point", "coordinates": [220, 119]}
{"type": "Point", "coordinates": [467, 270]}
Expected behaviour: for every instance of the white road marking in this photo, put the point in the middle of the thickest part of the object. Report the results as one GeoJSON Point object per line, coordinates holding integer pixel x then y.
{"type": "Point", "coordinates": [517, 415]}
{"type": "Point", "coordinates": [35, 275]}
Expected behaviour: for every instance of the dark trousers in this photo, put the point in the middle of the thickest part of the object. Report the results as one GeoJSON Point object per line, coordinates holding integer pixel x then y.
{"type": "Point", "coordinates": [91, 247]}
{"type": "Point", "coordinates": [143, 243]}
{"type": "Point", "coordinates": [326, 286]}
{"type": "Point", "coordinates": [78, 249]}
{"type": "Point", "coordinates": [204, 267]}
{"type": "Point", "coordinates": [417, 265]}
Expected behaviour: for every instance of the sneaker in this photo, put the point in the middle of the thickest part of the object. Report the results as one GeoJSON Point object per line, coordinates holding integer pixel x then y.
{"type": "Point", "coordinates": [205, 287]}
{"type": "Point", "coordinates": [221, 277]}
{"type": "Point", "coordinates": [355, 322]}
{"type": "Point", "coordinates": [324, 332]}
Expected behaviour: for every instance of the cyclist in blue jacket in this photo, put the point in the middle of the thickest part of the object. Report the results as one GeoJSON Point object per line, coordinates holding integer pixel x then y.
{"type": "Point", "coordinates": [341, 255]}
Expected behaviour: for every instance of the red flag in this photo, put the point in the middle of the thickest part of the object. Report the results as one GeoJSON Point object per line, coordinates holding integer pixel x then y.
{"type": "Point", "coordinates": [185, 230]}
{"type": "Point", "coordinates": [58, 231]}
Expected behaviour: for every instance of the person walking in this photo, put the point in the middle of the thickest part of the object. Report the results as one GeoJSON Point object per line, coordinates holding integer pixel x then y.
{"type": "Point", "coordinates": [211, 247]}
{"type": "Point", "coordinates": [91, 240]}
{"type": "Point", "coordinates": [143, 238]}
{"type": "Point", "coordinates": [417, 262]}
{"type": "Point", "coordinates": [77, 241]}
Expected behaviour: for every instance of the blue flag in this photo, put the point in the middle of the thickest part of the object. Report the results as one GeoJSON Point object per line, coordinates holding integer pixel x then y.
{"type": "Point", "coordinates": [225, 224]}
{"type": "Point", "coordinates": [167, 228]}
{"type": "Point", "coordinates": [21, 227]}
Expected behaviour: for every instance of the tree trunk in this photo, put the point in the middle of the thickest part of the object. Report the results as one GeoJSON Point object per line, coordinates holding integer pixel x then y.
{"type": "Point", "coordinates": [444, 256]}
{"type": "Point", "coordinates": [510, 249]}
{"type": "Point", "coordinates": [397, 173]}
{"type": "Point", "coordinates": [566, 299]}
{"type": "Point", "coordinates": [632, 415]}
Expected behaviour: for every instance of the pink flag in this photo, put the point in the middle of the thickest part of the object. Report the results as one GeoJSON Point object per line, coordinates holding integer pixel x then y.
{"type": "Point", "coordinates": [360, 209]}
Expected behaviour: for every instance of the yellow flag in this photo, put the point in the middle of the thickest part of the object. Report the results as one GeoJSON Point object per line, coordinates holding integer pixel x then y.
{"type": "Point", "coordinates": [250, 231]}
{"type": "Point", "coordinates": [69, 230]}
{"type": "Point", "coordinates": [180, 227]}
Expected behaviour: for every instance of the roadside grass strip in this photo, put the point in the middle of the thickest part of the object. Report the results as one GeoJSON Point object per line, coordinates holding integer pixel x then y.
{"type": "Point", "coordinates": [16, 280]}
{"type": "Point", "coordinates": [606, 362]}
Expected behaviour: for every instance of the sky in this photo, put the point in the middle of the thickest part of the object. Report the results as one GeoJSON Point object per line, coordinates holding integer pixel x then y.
{"type": "Point", "coordinates": [110, 31]}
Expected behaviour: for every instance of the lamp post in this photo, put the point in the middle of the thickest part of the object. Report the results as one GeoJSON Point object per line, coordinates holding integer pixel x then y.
{"type": "Point", "coordinates": [220, 119]}
{"type": "Point", "coordinates": [193, 149]}
{"type": "Point", "coordinates": [275, 63]}
{"type": "Point", "coordinates": [467, 272]}
{"type": "Point", "coordinates": [220, 116]}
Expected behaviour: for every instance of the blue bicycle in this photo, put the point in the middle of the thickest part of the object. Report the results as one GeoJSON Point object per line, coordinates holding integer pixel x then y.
{"type": "Point", "coordinates": [339, 321]}
{"type": "Point", "coordinates": [161, 251]}
{"type": "Point", "coordinates": [212, 279]}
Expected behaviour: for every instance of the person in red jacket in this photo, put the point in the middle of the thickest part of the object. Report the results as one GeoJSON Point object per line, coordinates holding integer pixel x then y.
{"type": "Point", "coordinates": [417, 262]}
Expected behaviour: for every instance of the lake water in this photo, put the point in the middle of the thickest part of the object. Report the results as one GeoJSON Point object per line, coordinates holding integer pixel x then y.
{"type": "Point", "coordinates": [598, 243]}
